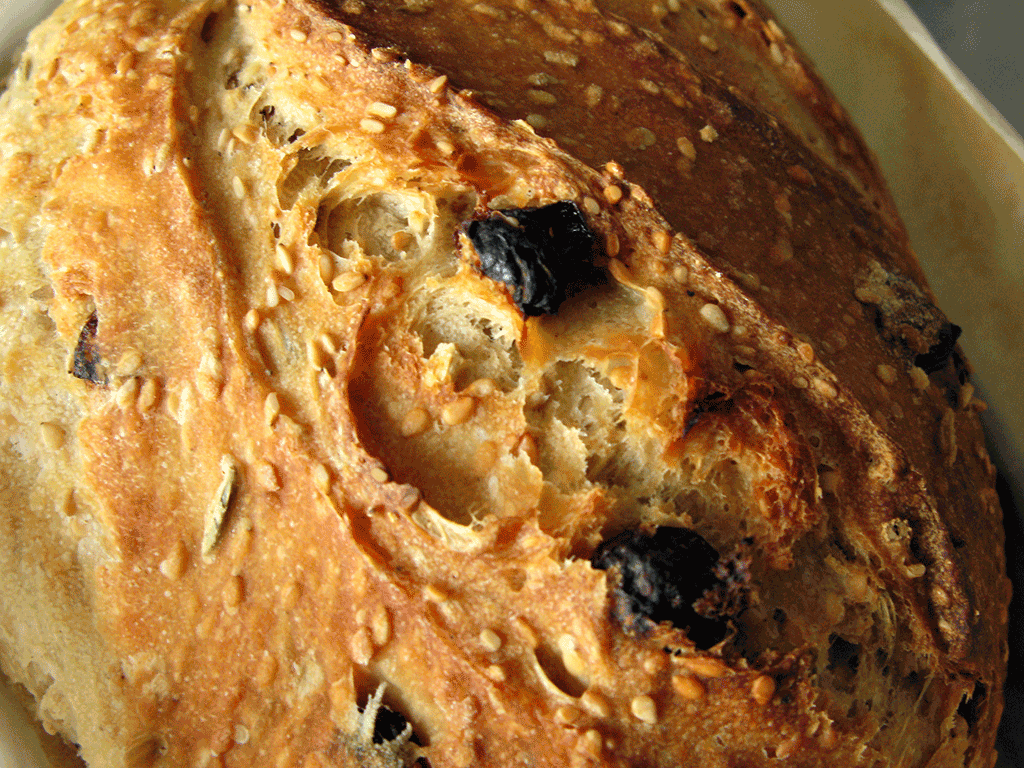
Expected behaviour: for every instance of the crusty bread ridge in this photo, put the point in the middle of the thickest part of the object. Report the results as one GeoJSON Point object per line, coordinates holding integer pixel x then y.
{"type": "Point", "coordinates": [291, 479]}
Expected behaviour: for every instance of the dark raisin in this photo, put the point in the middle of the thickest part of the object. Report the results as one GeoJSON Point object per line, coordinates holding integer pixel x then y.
{"type": "Point", "coordinates": [972, 706]}
{"type": "Point", "coordinates": [388, 726]}
{"type": "Point", "coordinates": [539, 253]}
{"type": "Point", "coordinates": [86, 361]}
{"type": "Point", "coordinates": [673, 575]}
{"type": "Point", "coordinates": [716, 401]}
{"type": "Point", "coordinates": [935, 358]}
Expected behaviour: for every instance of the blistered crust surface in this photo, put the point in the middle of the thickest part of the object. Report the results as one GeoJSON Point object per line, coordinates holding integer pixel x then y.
{"type": "Point", "coordinates": [280, 458]}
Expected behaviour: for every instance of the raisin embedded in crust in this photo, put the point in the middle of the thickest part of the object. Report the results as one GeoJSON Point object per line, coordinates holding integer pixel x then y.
{"type": "Point", "coordinates": [538, 253]}
{"type": "Point", "coordinates": [674, 575]}
{"type": "Point", "coordinates": [86, 361]}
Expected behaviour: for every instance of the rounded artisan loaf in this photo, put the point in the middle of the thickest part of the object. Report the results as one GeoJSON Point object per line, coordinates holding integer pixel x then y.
{"type": "Point", "coordinates": [427, 382]}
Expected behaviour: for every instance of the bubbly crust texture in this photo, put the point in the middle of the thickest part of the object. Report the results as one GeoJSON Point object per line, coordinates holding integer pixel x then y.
{"type": "Point", "coordinates": [291, 478]}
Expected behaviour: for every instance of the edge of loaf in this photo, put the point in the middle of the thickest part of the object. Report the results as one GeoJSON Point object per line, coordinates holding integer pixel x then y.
{"type": "Point", "coordinates": [293, 476]}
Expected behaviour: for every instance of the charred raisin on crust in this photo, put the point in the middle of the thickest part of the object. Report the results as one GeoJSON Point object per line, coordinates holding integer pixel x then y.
{"type": "Point", "coordinates": [906, 318]}
{"type": "Point", "coordinates": [539, 254]}
{"type": "Point", "coordinates": [674, 575]}
{"type": "Point", "coordinates": [85, 363]}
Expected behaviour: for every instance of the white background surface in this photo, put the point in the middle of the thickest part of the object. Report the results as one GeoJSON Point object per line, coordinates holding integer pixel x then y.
{"type": "Point", "coordinates": [928, 135]}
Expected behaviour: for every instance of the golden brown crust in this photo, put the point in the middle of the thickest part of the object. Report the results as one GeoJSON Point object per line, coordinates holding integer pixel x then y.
{"type": "Point", "coordinates": [312, 450]}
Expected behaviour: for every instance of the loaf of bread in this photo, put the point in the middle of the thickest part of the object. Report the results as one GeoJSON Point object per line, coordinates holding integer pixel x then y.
{"type": "Point", "coordinates": [451, 383]}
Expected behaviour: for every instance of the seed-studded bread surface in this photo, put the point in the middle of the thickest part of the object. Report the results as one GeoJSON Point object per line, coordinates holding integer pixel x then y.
{"type": "Point", "coordinates": [296, 473]}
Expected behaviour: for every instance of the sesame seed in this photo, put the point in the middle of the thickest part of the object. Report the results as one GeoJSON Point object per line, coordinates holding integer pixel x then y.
{"type": "Point", "coordinates": [567, 715]}
{"type": "Point", "coordinates": [173, 566]}
{"type": "Point", "coordinates": [595, 703]}
{"type": "Point", "coordinates": [715, 317]}
{"type": "Point", "coordinates": [640, 138]}
{"type": "Point", "coordinates": [591, 742]}
{"type": "Point", "coordinates": [241, 734]}
{"type": "Point", "coordinates": [327, 343]}
{"type": "Point", "coordinates": [271, 408]}
{"type": "Point", "coordinates": [379, 475]}
{"type": "Point", "coordinates": [886, 374]}
{"type": "Point", "coordinates": [592, 95]}
{"type": "Point", "coordinates": [362, 646]}
{"type": "Point", "coordinates": [486, 10]}
{"type": "Point", "coordinates": [612, 193]}
{"type": "Point", "coordinates": [689, 687]}
{"type": "Point", "coordinates": [284, 260]}
{"type": "Point", "coordinates": [348, 281]}
{"type": "Point", "coordinates": [704, 666]}
{"type": "Point", "coordinates": [251, 321]}
{"type": "Point", "coordinates": [776, 53]}
{"type": "Point", "coordinates": [382, 110]}
{"type": "Point", "coordinates": [286, 293]}
{"type": "Point", "coordinates": [542, 98]}
{"type": "Point", "coordinates": [368, 125]}
{"type": "Point", "coordinates": [445, 147]}
{"type": "Point", "coordinates": [238, 187]}
{"type": "Point", "coordinates": [438, 84]}
{"type": "Point", "coordinates": [496, 673]}
{"type": "Point", "coordinates": [298, 35]}
{"type": "Point", "coordinates": [266, 670]}
{"type": "Point", "coordinates": [380, 626]}
{"type": "Point", "coordinates": [591, 206]}
{"type": "Point", "coordinates": [335, 37]}
{"type": "Point", "coordinates": [266, 476]}
{"type": "Point", "coordinates": [966, 395]}
{"type": "Point", "coordinates": [415, 423]}
{"type": "Point", "coordinates": [662, 241]}
{"type": "Point", "coordinates": [806, 352]}
{"type": "Point", "coordinates": [148, 395]}
{"type": "Point", "coordinates": [643, 708]}
{"type": "Point", "coordinates": [781, 251]}
{"type": "Point", "coordinates": [53, 436]}
{"type": "Point", "coordinates": [575, 664]}
{"type": "Point", "coordinates": [947, 436]}
{"type": "Point", "coordinates": [564, 58]}
{"type": "Point", "coordinates": [613, 245]}
{"type": "Point", "coordinates": [326, 268]}
{"type": "Point", "coordinates": [490, 640]}
{"type": "Point", "coordinates": [481, 388]}
{"type": "Point", "coordinates": [129, 363]}
{"type": "Point", "coordinates": [620, 271]}
{"type": "Point", "coordinates": [127, 393]}
{"type": "Point", "coordinates": [291, 594]}
{"type": "Point", "coordinates": [273, 297]}
{"type": "Point", "coordinates": [800, 175]}
{"type": "Point", "coordinates": [233, 592]}
{"type": "Point", "coordinates": [762, 689]}
{"type": "Point", "coordinates": [245, 133]}
{"type": "Point", "coordinates": [866, 296]}
{"type": "Point", "coordinates": [401, 240]}
{"type": "Point", "coordinates": [708, 133]}
{"type": "Point", "coordinates": [434, 594]}
{"type": "Point", "coordinates": [825, 388]}
{"type": "Point", "coordinates": [458, 411]}
{"type": "Point", "coordinates": [686, 148]}
{"type": "Point", "coordinates": [709, 43]}
{"type": "Point", "coordinates": [321, 478]}
{"type": "Point", "coordinates": [916, 571]}
{"type": "Point", "coordinates": [537, 122]}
